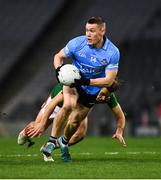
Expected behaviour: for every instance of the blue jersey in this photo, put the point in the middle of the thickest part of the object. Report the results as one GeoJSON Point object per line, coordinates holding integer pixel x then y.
{"type": "Point", "coordinates": [92, 62]}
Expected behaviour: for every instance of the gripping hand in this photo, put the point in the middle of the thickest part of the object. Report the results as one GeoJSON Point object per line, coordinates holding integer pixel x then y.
{"type": "Point", "coordinates": [115, 86]}
{"type": "Point", "coordinates": [57, 72]}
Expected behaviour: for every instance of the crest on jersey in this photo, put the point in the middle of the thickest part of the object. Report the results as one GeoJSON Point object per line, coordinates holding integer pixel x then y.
{"type": "Point", "coordinates": [104, 62]}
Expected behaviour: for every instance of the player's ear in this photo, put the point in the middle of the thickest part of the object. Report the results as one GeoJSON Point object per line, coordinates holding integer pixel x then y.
{"type": "Point", "coordinates": [103, 30]}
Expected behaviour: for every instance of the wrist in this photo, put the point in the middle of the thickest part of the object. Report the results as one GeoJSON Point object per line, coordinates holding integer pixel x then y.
{"type": "Point", "coordinates": [59, 66]}
{"type": "Point", "coordinates": [119, 130]}
{"type": "Point", "coordinates": [120, 127]}
{"type": "Point", "coordinates": [43, 123]}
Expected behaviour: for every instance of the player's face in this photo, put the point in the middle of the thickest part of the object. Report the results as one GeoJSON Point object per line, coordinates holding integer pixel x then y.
{"type": "Point", "coordinates": [95, 34]}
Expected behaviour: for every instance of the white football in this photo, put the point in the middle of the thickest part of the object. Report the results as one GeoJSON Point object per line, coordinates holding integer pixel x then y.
{"type": "Point", "coordinates": [67, 74]}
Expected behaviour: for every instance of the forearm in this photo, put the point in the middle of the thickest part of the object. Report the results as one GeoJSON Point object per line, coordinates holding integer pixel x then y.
{"type": "Point", "coordinates": [120, 124]}
{"type": "Point", "coordinates": [102, 82]}
{"type": "Point", "coordinates": [120, 117]}
{"type": "Point", "coordinates": [45, 118]}
{"type": "Point", "coordinates": [38, 118]}
{"type": "Point", "coordinates": [48, 111]}
{"type": "Point", "coordinates": [58, 99]}
{"type": "Point", "coordinates": [106, 81]}
{"type": "Point", "coordinates": [120, 121]}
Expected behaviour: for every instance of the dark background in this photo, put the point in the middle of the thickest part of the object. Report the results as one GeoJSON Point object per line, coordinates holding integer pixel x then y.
{"type": "Point", "coordinates": [31, 32]}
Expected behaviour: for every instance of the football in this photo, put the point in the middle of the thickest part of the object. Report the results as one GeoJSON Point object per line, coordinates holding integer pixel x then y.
{"type": "Point", "coordinates": [67, 74]}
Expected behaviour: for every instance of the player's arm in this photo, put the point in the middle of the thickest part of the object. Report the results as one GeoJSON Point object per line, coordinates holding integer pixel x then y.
{"type": "Point", "coordinates": [105, 96]}
{"type": "Point", "coordinates": [120, 124]}
{"type": "Point", "coordinates": [40, 127]}
{"type": "Point", "coordinates": [65, 53]}
{"type": "Point", "coordinates": [110, 70]}
{"type": "Point", "coordinates": [110, 74]}
{"type": "Point", "coordinates": [120, 117]}
{"type": "Point", "coordinates": [59, 58]}
{"type": "Point", "coordinates": [59, 61]}
{"type": "Point", "coordinates": [58, 99]}
{"type": "Point", "coordinates": [107, 81]}
{"type": "Point", "coordinates": [105, 92]}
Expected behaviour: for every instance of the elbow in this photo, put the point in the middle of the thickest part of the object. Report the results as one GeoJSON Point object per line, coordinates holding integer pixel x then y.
{"type": "Point", "coordinates": [58, 60]}
{"type": "Point", "coordinates": [56, 56]}
{"type": "Point", "coordinates": [109, 82]}
{"type": "Point", "coordinates": [55, 59]}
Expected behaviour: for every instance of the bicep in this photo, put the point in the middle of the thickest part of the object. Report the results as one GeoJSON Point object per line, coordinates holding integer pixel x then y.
{"type": "Point", "coordinates": [61, 54]}
{"type": "Point", "coordinates": [111, 75]}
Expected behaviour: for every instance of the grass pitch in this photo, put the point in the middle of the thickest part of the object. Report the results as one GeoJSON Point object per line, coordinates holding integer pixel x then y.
{"type": "Point", "coordinates": [94, 157]}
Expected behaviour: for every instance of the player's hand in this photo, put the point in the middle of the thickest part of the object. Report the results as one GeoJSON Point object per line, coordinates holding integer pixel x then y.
{"type": "Point", "coordinates": [115, 86]}
{"type": "Point", "coordinates": [36, 131]}
{"type": "Point", "coordinates": [57, 72]}
{"type": "Point", "coordinates": [81, 81]}
{"type": "Point", "coordinates": [119, 135]}
{"type": "Point", "coordinates": [103, 95]}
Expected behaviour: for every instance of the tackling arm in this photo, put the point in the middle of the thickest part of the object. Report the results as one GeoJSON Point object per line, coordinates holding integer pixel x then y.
{"type": "Point", "coordinates": [50, 107]}
{"type": "Point", "coordinates": [120, 124]}
{"type": "Point", "coordinates": [40, 127]}
{"type": "Point", "coordinates": [117, 110]}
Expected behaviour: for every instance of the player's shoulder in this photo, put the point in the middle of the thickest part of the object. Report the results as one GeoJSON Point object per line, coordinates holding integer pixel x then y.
{"type": "Point", "coordinates": [112, 47]}
{"type": "Point", "coordinates": [80, 39]}
{"type": "Point", "coordinates": [79, 42]}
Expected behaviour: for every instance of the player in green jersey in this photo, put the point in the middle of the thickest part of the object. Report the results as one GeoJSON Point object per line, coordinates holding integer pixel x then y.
{"type": "Point", "coordinates": [53, 104]}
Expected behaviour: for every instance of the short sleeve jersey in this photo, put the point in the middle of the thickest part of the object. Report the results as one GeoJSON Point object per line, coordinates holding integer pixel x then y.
{"type": "Point", "coordinates": [92, 62]}
{"type": "Point", "coordinates": [56, 89]}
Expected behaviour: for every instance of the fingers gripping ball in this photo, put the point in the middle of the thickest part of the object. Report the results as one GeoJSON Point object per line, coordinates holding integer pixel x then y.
{"type": "Point", "coordinates": [67, 74]}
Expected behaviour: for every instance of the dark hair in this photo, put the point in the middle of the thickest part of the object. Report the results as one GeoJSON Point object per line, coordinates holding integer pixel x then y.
{"type": "Point", "coordinates": [96, 20]}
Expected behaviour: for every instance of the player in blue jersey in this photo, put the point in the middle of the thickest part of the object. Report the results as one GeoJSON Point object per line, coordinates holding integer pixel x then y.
{"type": "Point", "coordinates": [97, 58]}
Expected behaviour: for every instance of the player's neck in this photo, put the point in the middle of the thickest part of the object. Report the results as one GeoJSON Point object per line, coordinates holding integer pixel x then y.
{"type": "Point", "coordinates": [99, 44]}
